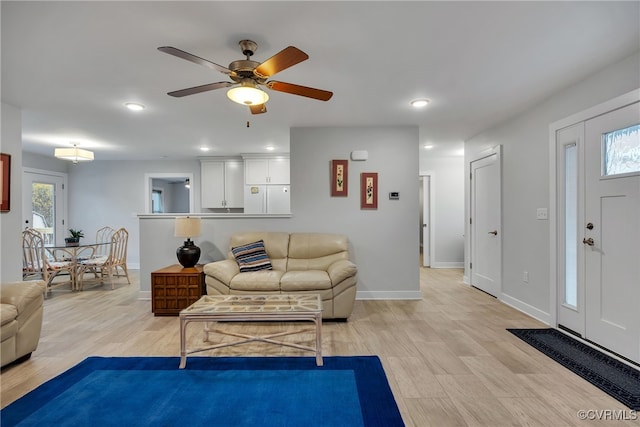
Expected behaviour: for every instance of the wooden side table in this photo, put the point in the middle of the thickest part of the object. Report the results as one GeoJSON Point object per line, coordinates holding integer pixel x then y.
{"type": "Point", "coordinates": [174, 288]}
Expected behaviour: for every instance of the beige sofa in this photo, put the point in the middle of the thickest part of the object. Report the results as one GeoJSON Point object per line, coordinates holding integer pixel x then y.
{"type": "Point", "coordinates": [21, 313]}
{"type": "Point", "coordinates": [302, 263]}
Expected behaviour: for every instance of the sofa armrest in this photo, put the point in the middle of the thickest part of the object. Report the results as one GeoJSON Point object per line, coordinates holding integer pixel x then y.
{"type": "Point", "coordinates": [25, 296]}
{"type": "Point", "coordinates": [341, 270]}
{"type": "Point", "coordinates": [224, 270]}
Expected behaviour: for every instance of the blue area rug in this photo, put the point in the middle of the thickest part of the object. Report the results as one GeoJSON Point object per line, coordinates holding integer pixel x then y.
{"type": "Point", "coordinates": [615, 378]}
{"type": "Point", "coordinates": [212, 391]}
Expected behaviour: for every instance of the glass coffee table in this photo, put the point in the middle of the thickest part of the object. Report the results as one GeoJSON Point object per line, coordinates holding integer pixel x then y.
{"type": "Point", "coordinates": [249, 308]}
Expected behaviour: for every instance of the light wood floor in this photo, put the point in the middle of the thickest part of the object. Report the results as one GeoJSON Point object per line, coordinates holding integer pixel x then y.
{"type": "Point", "coordinates": [448, 357]}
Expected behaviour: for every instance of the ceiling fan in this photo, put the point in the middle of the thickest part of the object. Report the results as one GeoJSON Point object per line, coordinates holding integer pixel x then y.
{"type": "Point", "coordinates": [247, 75]}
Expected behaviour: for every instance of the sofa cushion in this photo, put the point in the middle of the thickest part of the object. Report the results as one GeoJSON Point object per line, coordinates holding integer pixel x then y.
{"type": "Point", "coordinates": [308, 280]}
{"type": "Point", "coordinates": [258, 281]}
{"type": "Point", "coordinates": [252, 257]}
{"type": "Point", "coordinates": [316, 251]}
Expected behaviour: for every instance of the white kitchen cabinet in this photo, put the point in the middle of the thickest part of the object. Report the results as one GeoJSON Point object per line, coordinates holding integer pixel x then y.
{"type": "Point", "coordinates": [222, 183]}
{"type": "Point", "coordinates": [259, 171]}
{"type": "Point", "coordinates": [272, 198]}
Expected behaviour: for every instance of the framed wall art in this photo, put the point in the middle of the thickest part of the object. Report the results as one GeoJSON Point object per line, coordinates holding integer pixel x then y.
{"type": "Point", "coordinates": [339, 178]}
{"type": "Point", "coordinates": [5, 182]}
{"type": "Point", "coordinates": [368, 190]}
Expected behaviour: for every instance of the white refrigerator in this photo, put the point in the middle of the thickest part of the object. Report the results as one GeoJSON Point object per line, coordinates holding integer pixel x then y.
{"type": "Point", "coordinates": [267, 199]}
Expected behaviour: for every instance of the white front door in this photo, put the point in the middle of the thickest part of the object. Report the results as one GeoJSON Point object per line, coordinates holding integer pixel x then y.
{"type": "Point", "coordinates": [612, 230]}
{"type": "Point", "coordinates": [486, 233]}
{"type": "Point", "coordinates": [43, 204]}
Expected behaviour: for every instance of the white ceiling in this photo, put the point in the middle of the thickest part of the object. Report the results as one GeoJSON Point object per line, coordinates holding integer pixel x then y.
{"type": "Point", "coordinates": [70, 67]}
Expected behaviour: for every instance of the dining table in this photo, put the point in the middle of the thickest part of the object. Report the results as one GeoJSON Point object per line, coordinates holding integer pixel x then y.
{"type": "Point", "coordinates": [75, 255]}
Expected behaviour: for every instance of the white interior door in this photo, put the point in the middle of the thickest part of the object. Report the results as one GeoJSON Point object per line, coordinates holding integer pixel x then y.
{"type": "Point", "coordinates": [612, 249]}
{"type": "Point", "coordinates": [44, 205]}
{"type": "Point", "coordinates": [485, 227]}
{"type": "Point", "coordinates": [426, 221]}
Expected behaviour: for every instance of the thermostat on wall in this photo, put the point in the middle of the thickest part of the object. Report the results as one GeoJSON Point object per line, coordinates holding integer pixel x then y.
{"type": "Point", "coordinates": [394, 195]}
{"type": "Point", "coordinates": [359, 155]}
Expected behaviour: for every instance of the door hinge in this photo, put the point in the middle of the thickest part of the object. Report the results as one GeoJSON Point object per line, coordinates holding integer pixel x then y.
{"type": "Point", "coordinates": [470, 265]}
{"type": "Point", "coordinates": [470, 175]}
{"type": "Point", "coordinates": [63, 186]}
{"type": "Point", "coordinates": [470, 221]}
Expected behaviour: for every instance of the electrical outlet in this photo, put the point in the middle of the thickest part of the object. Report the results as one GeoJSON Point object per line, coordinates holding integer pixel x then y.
{"type": "Point", "coordinates": [525, 276]}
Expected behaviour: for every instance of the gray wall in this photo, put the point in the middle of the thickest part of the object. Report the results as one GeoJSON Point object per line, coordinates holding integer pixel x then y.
{"type": "Point", "coordinates": [447, 223]}
{"type": "Point", "coordinates": [525, 181]}
{"type": "Point", "coordinates": [384, 242]}
{"type": "Point", "coordinates": [113, 193]}
{"type": "Point", "coordinates": [11, 222]}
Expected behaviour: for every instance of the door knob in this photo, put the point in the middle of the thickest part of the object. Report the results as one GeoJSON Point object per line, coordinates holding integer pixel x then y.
{"type": "Point", "coordinates": [588, 241]}
{"type": "Point", "coordinates": [494, 232]}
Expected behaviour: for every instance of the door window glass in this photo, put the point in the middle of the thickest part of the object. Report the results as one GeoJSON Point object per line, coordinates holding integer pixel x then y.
{"type": "Point", "coordinates": [622, 151]}
{"type": "Point", "coordinates": [571, 225]}
{"type": "Point", "coordinates": [43, 209]}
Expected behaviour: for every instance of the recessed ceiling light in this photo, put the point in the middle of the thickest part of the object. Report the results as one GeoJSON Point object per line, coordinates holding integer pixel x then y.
{"type": "Point", "coordinates": [134, 106]}
{"type": "Point", "coordinates": [428, 146]}
{"type": "Point", "coordinates": [419, 103]}
{"type": "Point", "coordinates": [205, 148]}
{"type": "Point", "coordinates": [269, 148]}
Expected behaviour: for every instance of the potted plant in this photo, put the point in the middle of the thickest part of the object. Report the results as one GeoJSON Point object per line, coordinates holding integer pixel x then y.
{"type": "Point", "coordinates": [74, 240]}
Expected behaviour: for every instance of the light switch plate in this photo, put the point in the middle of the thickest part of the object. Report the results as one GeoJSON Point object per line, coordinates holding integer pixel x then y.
{"type": "Point", "coordinates": [542, 213]}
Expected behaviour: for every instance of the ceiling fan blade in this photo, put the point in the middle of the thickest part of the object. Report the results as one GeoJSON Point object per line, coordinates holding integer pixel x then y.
{"type": "Point", "coordinates": [198, 89]}
{"type": "Point", "coordinates": [282, 60]}
{"type": "Point", "coordinates": [309, 92]}
{"type": "Point", "coordinates": [195, 59]}
{"type": "Point", "coordinates": [258, 109]}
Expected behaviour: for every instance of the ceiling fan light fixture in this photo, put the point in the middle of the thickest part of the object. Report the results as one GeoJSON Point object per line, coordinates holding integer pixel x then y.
{"type": "Point", "coordinates": [74, 154]}
{"type": "Point", "coordinates": [247, 95]}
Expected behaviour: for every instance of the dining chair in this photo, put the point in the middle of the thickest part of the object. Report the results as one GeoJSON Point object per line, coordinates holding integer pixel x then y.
{"type": "Point", "coordinates": [101, 251]}
{"type": "Point", "coordinates": [109, 264]}
{"type": "Point", "coordinates": [103, 236]}
{"type": "Point", "coordinates": [37, 265]}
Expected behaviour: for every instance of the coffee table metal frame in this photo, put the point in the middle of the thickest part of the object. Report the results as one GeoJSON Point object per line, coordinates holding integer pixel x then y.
{"type": "Point", "coordinates": [249, 308]}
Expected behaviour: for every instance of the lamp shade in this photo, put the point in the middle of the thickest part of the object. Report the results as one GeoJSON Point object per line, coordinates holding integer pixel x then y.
{"type": "Point", "coordinates": [187, 227]}
{"type": "Point", "coordinates": [247, 95]}
{"type": "Point", "coordinates": [74, 154]}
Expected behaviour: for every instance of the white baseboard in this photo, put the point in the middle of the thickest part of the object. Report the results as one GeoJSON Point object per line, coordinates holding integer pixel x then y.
{"type": "Point", "coordinates": [447, 265]}
{"type": "Point", "coordinates": [389, 295]}
{"type": "Point", "coordinates": [527, 309]}
{"type": "Point", "coordinates": [465, 280]}
{"type": "Point", "coordinates": [133, 265]}
{"type": "Point", "coordinates": [144, 295]}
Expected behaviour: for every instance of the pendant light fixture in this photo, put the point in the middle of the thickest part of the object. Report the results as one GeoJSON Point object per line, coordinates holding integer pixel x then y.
{"type": "Point", "coordinates": [74, 154]}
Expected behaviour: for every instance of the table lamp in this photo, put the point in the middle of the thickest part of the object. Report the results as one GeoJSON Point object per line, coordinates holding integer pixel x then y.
{"type": "Point", "coordinates": [189, 253]}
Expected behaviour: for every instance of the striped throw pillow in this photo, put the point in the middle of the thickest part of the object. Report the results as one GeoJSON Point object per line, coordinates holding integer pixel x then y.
{"type": "Point", "coordinates": [252, 257]}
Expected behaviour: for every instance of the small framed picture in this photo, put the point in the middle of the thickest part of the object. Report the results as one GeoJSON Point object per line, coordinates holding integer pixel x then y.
{"type": "Point", "coordinates": [5, 182]}
{"type": "Point", "coordinates": [369, 190]}
{"type": "Point", "coordinates": [339, 178]}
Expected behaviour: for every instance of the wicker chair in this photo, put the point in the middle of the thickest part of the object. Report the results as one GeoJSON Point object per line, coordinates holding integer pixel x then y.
{"type": "Point", "coordinates": [37, 265]}
{"type": "Point", "coordinates": [109, 264]}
